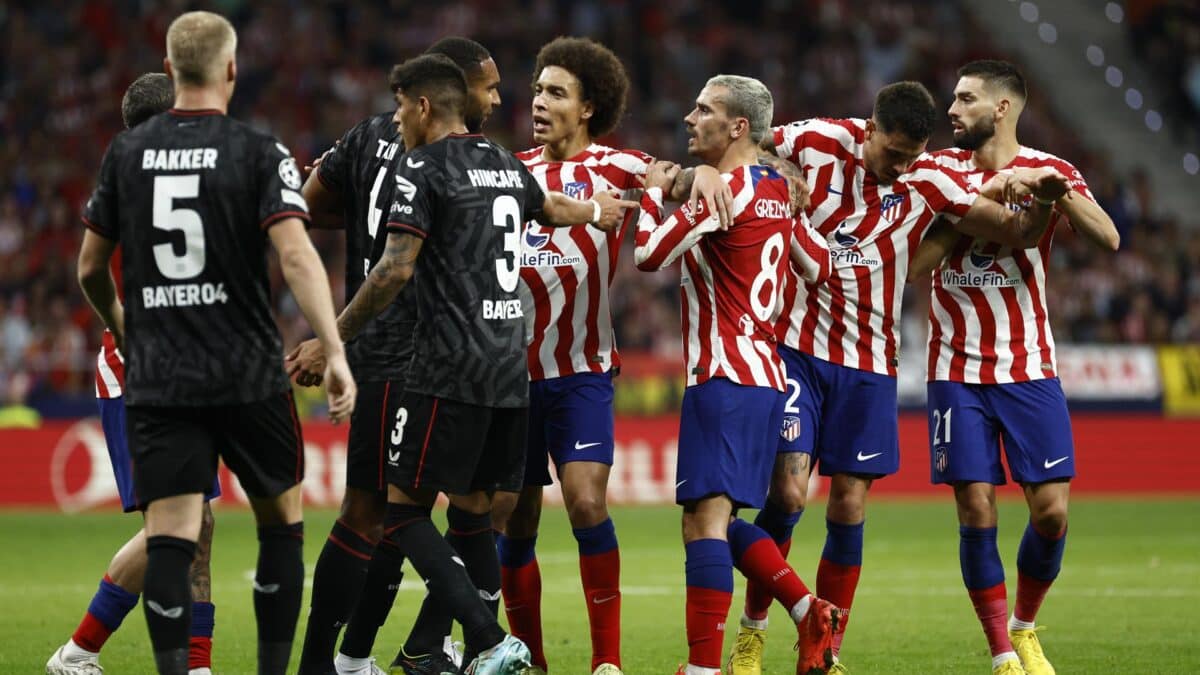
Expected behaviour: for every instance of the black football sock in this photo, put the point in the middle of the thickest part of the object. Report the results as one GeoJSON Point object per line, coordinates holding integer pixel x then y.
{"type": "Point", "coordinates": [337, 582]}
{"type": "Point", "coordinates": [278, 591]}
{"type": "Point", "coordinates": [167, 599]}
{"type": "Point", "coordinates": [378, 595]}
{"type": "Point", "coordinates": [471, 535]}
{"type": "Point", "coordinates": [414, 534]}
{"type": "Point", "coordinates": [430, 629]}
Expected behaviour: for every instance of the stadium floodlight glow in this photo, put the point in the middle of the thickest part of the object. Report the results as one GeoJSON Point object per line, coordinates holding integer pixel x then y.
{"type": "Point", "coordinates": [1114, 12]}
{"type": "Point", "coordinates": [1153, 120]}
{"type": "Point", "coordinates": [1191, 163]}
{"type": "Point", "coordinates": [1133, 98]}
{"type": "Point", "coordinates": [1029, 11]}
{"type": "Point", "coordinates": [1048, 33]}
{"type": "Point", "coordinates": [1113, 76]}
{"type": "Point", "coordinates": [1095, 55]}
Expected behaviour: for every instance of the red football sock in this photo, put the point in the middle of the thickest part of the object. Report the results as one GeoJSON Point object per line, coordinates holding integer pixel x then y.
{"type": "Point", "coordinates": [1030, 594]}
{"type": "Point", "coordinates": [706, 612]}
{"type": "Point", "coordinates": [758, 596]}
{"type": "Point", "coordinates": [837, 583]}
{"type": "Point", "coordinates": [522, 590]}
{"type": "Point", "coordinates": [601, 576]}
{"type": "Point", "coordinates": [199, 652]}
{"type": "Point", "coordinates": [91, 633]}
{"type": "Point", "coordinates": [991, 606]}
{"type": "Point", "coordinates": [762, 562]}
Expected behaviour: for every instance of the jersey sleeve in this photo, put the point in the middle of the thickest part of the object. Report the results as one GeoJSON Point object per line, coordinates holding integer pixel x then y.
{"type": "Point", "coordinates": [335, 168]}
{"type": "Point", "coordinates": [835, 138]}
{"type": "Point", "coordinates": [946, 191]}
{"type": "Point", "coordinates": [810, 252]}
{"type": "Point", "coordinates": [100, 212]}
{"type": "Point", "coordinates": [413, 196]}
{"type": "Point", "coordinates": [535, 198]}
{"type": "Point", "coordinates": [661, 238]}
{"type": "Point", "coordinates": [279, 186]}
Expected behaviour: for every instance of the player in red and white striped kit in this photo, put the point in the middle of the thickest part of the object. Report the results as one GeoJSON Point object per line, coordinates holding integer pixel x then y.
{"type": "Point", "coordinates": [874, 196]}
{"type": "Point", "coordinates": [992, 367]}
{"type": "Point", "coordinates": [148, 95]}
{"type": "Point", "coordinates": [579, 95]}
{"type": "Point", "coordinates": [732, 410]}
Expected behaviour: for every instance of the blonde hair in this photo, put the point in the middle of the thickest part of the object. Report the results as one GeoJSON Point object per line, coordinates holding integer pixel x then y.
{"type": "Point", "coordinates": [749, 98]}
{"type": "Point", "coordinates": [198, 45]}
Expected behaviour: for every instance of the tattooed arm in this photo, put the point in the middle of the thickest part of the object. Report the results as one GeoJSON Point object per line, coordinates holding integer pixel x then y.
{"type": "Point", "coordinates": [387, 277]}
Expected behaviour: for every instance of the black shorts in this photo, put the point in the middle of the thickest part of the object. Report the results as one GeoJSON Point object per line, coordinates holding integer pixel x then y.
{"type": "Point", "coordinates": [371, 424]}
{"type": "Point", "coordinates": [175, 448]}
{"type": "Point", "coordinates": [455, 447]}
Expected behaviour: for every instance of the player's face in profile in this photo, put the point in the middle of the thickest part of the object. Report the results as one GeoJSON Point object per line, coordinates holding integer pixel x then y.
{"type": "Point", "coordinates": [558, 106]}
{"type": "Point", "coordinates": [408, 120]}
{"type": "Point", "coordinates": [708, 125]}
{"type": "Point", "coordinates": [889, 155]}
{"type": "Point", "coordinates": [972, 114]}
{"type": "Point", "coordinates": [483, 95]}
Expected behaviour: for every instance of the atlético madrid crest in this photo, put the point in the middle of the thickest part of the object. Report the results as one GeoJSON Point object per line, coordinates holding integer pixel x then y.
{"type": "Point", "coordinates": [941, 459]}
{"type": "Point", "coordinates": [577, 190]}
{"type": "Point", "coordinates": [791, 429]}
{"type": "Point", "coordinates": [890, 207]}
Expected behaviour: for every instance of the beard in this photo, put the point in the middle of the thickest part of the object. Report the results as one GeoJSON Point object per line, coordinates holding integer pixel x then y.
{"type": "Point", "coordinates": [973, 138]}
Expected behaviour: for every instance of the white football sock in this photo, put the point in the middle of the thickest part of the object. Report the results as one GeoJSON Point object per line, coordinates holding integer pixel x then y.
{"type": "Point", "coordinates": [760, 624]}
{"type": "Point", "coordinates": [801, 608]}
{"type": "Point", "coordinates": [1002, 657]}
{"type": "Point", "coordinates": [73, 652]}
{"type": "Point", "coordinates": [1016, 624]}
{"type": "Point", "coordinates": [348, 663]}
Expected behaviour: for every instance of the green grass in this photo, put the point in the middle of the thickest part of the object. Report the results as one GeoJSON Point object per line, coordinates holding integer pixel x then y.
{"type": "Point", "coordinates": [1128, 599]}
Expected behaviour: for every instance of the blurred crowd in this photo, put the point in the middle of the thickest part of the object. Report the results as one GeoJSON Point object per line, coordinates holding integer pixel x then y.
{"type": "Point", "coordinates": [1165, 35]}
{"type": "Point", "coordinates": [309, 70]}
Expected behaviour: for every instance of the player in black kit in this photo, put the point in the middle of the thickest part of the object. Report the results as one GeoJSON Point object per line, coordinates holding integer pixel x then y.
{"type": "Point", "coordinates": [193, 196]}
{"type": "Point", "coordinates": [458, 205]}
{"type": "Point", "coordinates": [350, 188]}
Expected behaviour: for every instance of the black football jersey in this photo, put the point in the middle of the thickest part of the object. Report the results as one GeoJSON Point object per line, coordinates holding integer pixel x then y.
{"type": "Point", "coordinates": [190, 196]}
{"type": "Point", "coordinates": [360, 168]}
{"type": "Point", "coordinates": [467, 198]}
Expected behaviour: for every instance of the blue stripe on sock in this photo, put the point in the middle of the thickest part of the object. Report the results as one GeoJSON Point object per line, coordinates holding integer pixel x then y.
{"type": "Point", "coordinates": [709, 564]}
{"type": "Point", "coordinates": [111, 603]}
{"type": "Point", "coordinates": [743, 535]}
{"type": "Point", "coordinates": [843, 544]}
{"type": "Point", "coordinates": [514, 552]}
{"type": "Point", "coordinates": [777, 523]}
{"type": "Point", "coordinates": [979, 557]}
{"type": "Point", "coordinates": [597, 539]}
{"type": "Point", "coordinates": [1040, 557]}
{"type": "Point", "coordinates": [203, 619]}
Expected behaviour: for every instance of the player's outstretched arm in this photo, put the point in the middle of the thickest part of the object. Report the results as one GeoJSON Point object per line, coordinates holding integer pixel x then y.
{"type": "Point", "coordinates": [661, 239]}
{"type": "Point", "coordinates": [603, 211]}
{"type": "Point", "coordinates": [1023, 228]}
{"type": "Point", "coordinates": [305, 275]}
{"type": "Point", "coordinates": [1087, 217]}
{"type": "Point", "coordinates": [98, 285]}
{"type": "Point", "coordinates": [933, 250]}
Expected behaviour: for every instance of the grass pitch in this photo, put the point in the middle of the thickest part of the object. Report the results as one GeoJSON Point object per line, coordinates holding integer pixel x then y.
{"type": "Point", "coordinates": [1128, 599]}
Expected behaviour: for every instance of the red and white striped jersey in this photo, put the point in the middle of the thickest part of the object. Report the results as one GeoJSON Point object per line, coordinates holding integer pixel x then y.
{"type": "Point", "coordinates": [987, 313]}
{"type": "Point", "coordinates": [110, 365]}
{"type": "Point", "coordinates": [872, 231]}
{"type": "Point", "coordinates": [731, 280]}
{"type": "Point", "coordinates": [568, 270]}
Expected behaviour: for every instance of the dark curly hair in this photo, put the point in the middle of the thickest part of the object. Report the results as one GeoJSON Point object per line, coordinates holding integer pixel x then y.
{"type": "Point", "coordinates": [600, 73]}
{"type": "Point", "coordinates": [906, 107]}
{"type": "Point", "coordinates": [435, 77]}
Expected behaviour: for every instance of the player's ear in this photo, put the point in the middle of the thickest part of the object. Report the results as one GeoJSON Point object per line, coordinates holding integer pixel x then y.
{"type": "Point", "coordinates": [231, 70]}
{"type": "Point", "coordinates": [167, 68]}
{"type": "Point", "coordinates": [588, 110]}
{"type": "Point", "coordinates": [870, 129]}
{"type": "Point", "coordinates": [1003, 108]}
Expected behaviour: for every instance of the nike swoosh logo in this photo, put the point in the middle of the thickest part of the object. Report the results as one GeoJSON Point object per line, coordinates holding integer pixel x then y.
{"type": "Point", "coordinates": [172, 613]}
{"type": "Point", "coordinates": [601, 601]}
{"type": "Point", "coordinates": [1049, 465]}
{"type": "Point", "coordinates": [413, 165]}
{"type": "Point", "coordinates": [583, 446]}
{"type": "Point", "coordinates": [681, 482]}
{"type": "Point", "coordinates": [269, 588]}
{"type": "Point", "coordinates": [863, 458]}
{"type": "Point", "coordinates": [832, 191]}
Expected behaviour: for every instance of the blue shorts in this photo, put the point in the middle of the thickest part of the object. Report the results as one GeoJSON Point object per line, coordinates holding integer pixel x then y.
{"type": "Point", "coordinates": [571, 419]}
{"type": "Point", "coordinates": [112, 420]}
{"type": "Point", "coordinates": [967, 421]}
{"type": "Point", "coordinates": [727, 438]}
{"type": "Point", "coordinates": [844, 417]}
